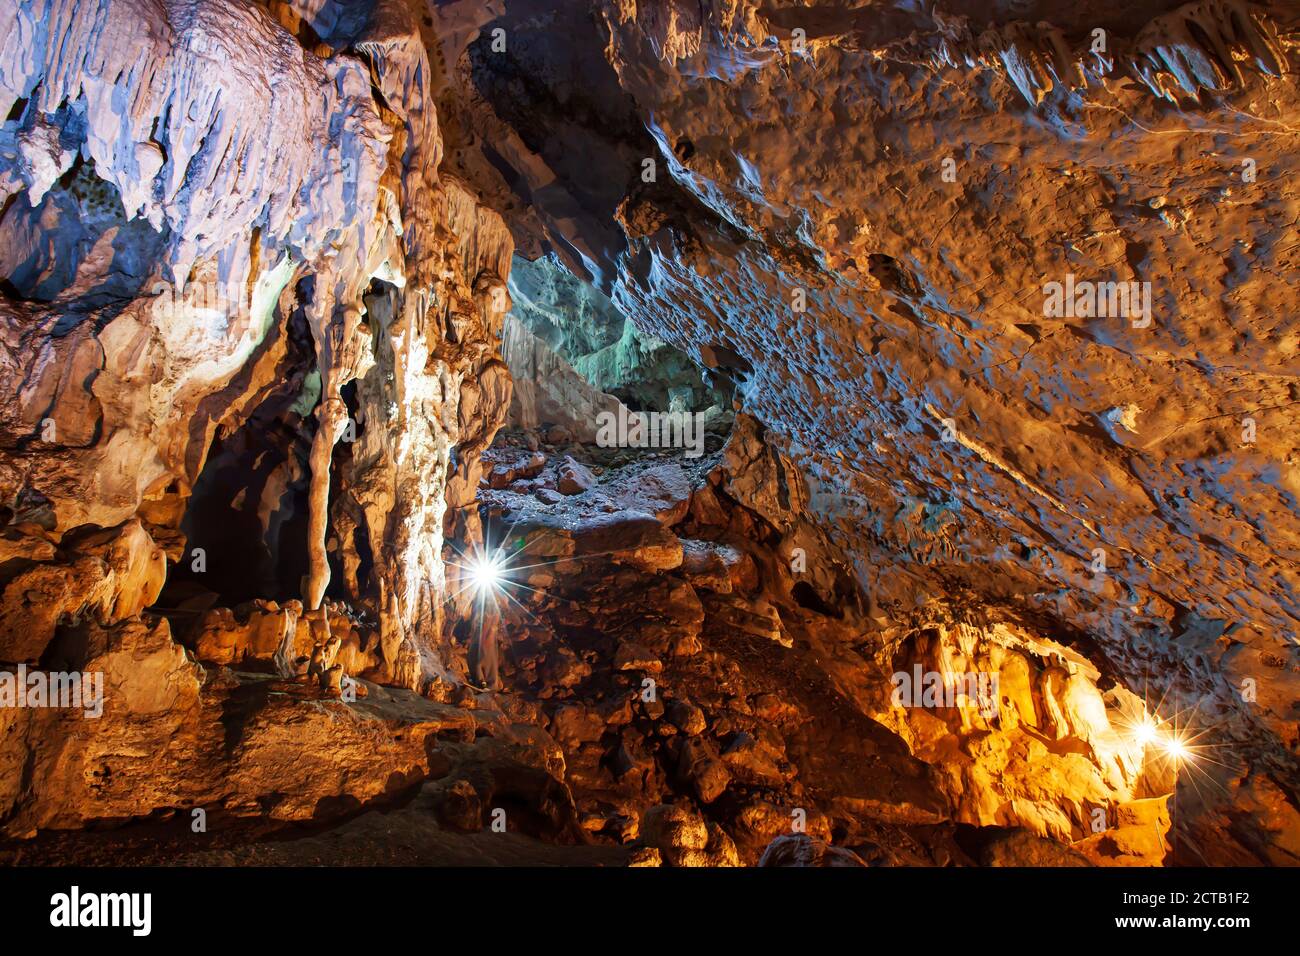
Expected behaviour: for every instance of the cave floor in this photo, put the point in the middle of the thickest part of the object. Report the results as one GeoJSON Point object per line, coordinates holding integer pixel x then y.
{"type": "Point", "coordinates": [665, 696]}
{"type": "Point", "coordinates": [404, 836]}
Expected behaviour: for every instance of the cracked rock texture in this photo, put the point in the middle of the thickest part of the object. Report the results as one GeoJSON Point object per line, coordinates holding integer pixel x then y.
{"type": "Point", "coordinates": [855, 213]}
{"type": "Point", "coordinates": [258, 350]}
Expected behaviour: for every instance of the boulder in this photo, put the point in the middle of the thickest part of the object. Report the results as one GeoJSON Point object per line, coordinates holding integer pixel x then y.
{"type": "Point", "coordinates": [573, 478]}
{"type": "Point", "coordinates": [699, 767]}
{"type": "Point", "coordinates": [686, 717]}
{"type": "Point", "coordinates": [684, 838]}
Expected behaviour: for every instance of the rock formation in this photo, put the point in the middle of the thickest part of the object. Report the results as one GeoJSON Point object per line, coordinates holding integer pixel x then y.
{"type": "Point", "coordinates": [548, 390]}
{"type": "Point", "coordinates": [968, 328]}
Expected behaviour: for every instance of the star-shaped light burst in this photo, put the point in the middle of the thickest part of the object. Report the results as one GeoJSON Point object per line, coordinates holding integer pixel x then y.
{"type": "Point", "coordinates": [1144, 730]}
{"type": "Point", "coordinates": [1176, 750]}
{"type": "Point", "coordinates": [494, 572]}
{"type": "Point", "coordinates": [486, 573]}
{"type": "Point", "coordinates": [1178, 740]}
{"type": "Point", "coordinates": [489, 572]}
{"type": "Point", "coordinates": [1165, 737]}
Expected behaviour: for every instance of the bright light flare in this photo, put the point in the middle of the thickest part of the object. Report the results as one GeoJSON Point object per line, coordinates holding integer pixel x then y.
{"type": "Point", "coordinates": [486, 573]}
{"type": "Point", "coordinates": [1145, 731]}
{"type": "Point", "coordinates": [1149, 731]}
{"type": "Point", "coordinates": [1175, 749]}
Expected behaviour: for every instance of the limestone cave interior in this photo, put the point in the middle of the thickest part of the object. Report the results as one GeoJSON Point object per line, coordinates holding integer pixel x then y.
{"type": "Point", "coordinates": [650, 433]}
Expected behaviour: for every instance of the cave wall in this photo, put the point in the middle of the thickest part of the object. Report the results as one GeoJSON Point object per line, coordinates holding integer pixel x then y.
{"type": "Point", "coordinates": [578, 322]}
{"type": "Point", "coordinates": [855, 212]}
{"type": "Point", "coordinates": [257, 258]}
{"type": "Point", "coordinates": [204, 201]}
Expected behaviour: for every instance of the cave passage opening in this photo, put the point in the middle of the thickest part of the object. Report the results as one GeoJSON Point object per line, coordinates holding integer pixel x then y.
{"type": "Point", "coordinates": [586, 330]}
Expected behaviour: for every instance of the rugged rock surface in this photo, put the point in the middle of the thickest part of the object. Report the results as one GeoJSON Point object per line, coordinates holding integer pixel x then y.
{"type": "Point", "coordinates": [548, 390]}
{"type": "Point", "coordinates": [323, 372]}
{"type": "Point", "coordinates": [256, 262]}
{"type": "Point", "coordinates": [733, 690]}
{"type": "Point", "coordinates": [580, 324]}
{"type": "Point", "coordinates": [854, 212]}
